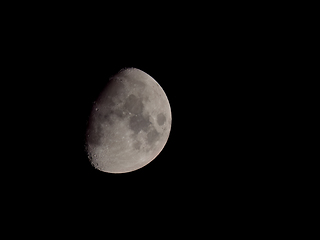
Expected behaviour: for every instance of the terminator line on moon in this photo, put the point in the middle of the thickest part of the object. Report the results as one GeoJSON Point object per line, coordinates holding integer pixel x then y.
{"type": "Point", "coordinates": [129, 124]}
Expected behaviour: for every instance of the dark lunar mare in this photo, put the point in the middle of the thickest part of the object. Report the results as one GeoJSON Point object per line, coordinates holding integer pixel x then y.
{"type": "Point", "coordinates": [134, 104]}
{"type": "Point", "coordinates": [137, 145]}
{"type": "Point", "coordinates": [139, 123]}
{"type": "Point", "coordinates": [152, 136]}
{"type": "Point", "coordinates": [161, 118]}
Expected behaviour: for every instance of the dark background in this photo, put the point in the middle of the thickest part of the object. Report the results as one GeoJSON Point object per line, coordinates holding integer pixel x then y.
{"type": "Point", "coordinates": [211, 83]}
{"type": "Point", "coordinates": [207, 79]}
{"type": "Point", "coordinates": [216, 67]}
{"type": "Point", "coordinates": [213, 70]}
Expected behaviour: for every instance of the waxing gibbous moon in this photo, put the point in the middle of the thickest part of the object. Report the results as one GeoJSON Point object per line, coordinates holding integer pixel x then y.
{"type": "Point", "coordinates": [129, 124]}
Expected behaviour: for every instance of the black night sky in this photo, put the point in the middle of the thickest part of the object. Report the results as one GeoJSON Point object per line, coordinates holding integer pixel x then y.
{"type": "Point", "coordinates": [216, 74]}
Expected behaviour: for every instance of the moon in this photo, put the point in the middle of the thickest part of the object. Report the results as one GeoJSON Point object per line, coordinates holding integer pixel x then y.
{"type": "Point", "coordinates": [129, 124]}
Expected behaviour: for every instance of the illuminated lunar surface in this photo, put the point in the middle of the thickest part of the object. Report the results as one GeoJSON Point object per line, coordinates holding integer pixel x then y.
{"type": "Point", "coordinates": [129, 124]}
